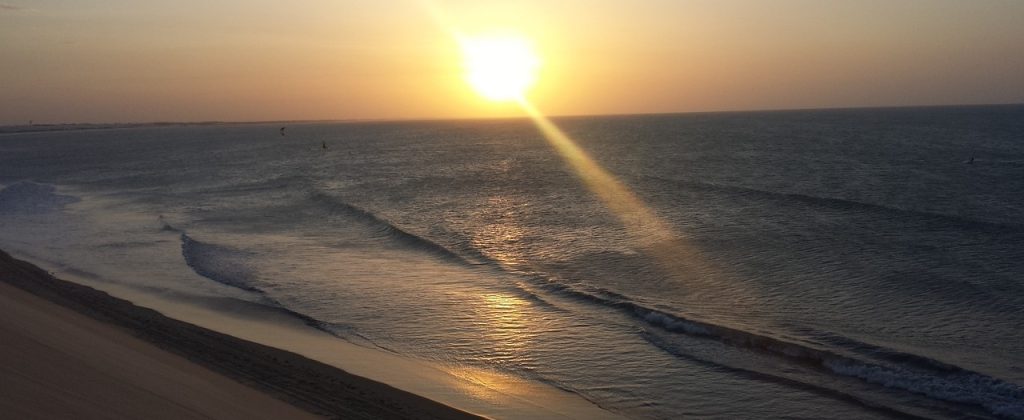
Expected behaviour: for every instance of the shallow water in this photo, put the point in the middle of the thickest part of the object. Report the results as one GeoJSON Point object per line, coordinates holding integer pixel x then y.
{"type": "Point", "coordinates": [842, 264]}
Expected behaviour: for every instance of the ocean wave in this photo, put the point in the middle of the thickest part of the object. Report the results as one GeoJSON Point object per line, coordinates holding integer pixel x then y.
{"type": "Point", "coordinates": [218, 263]}
{"type": "Point", "coordinates": [391, 232]}
{"type": "Point", "coordinates": [166, 227]}
{"type": "Point", "coordinates": [675, 351]}
{"type": "Point", "coordinates": [33, 198]}
{"type": "Point", "coordinates": [997, 397]}
{"type": "Point", "coordinates": [843, 356]}
{"type": "Point", "coordinates": [892, 369]}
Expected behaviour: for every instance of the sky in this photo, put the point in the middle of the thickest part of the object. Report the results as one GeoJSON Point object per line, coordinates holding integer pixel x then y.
{"type": "Point", "coordinates": [66, 61]}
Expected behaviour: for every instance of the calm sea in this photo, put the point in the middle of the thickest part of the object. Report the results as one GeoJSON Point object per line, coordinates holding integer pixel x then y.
{"type": "Point", "coordinates": [838, 263]}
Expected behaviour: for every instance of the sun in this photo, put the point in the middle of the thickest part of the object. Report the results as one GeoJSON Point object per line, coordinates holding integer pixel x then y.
{"type": "Point", "coordinates": [500, 67]}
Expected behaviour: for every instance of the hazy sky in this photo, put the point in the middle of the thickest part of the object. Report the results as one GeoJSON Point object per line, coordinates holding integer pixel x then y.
{"type": "Point", "coordinates": [140, 60]}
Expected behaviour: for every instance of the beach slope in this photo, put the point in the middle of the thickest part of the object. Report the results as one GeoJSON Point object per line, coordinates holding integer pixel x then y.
{"type": "Point", "coordinates": [70, 351]}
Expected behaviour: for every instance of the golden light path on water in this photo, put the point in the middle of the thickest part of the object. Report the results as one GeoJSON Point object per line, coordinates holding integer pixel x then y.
{"type": "Point", "coordinates": [702, 287]}
{"type": "Point", "coordinates": [680, 262]}
{"type": "Point", "coordinates": [502, 68]}
{"type": "Point", "coordinates": [647, 229]}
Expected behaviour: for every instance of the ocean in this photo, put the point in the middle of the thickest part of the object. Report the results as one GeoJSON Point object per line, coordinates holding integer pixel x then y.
{"type": "Point", "coordinates": [860, 263]}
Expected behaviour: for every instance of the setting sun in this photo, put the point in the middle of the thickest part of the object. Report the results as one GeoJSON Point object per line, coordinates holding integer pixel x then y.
{"type": "Point", "coordinates": [500, 68]}
{"type": "Point", "coordinates": [530, 209]}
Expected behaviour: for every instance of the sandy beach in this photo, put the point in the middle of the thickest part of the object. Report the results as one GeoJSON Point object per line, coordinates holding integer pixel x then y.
{"type": "Point", "coordinates": [70, 351]}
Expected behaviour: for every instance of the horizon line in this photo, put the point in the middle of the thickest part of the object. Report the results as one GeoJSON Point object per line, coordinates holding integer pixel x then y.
{"type": "Point", "coordinates": [111, 125]}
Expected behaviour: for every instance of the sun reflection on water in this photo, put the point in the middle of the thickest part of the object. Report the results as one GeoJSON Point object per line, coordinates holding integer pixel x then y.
{"type": "Point", "coordinates": [503, 234]}
{"type": "Point", "coordinates": [675, 255]}
{"type": "Point", "coordinates": [506, 328]}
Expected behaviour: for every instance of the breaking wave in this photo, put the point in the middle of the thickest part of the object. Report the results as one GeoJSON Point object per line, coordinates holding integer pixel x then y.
{"type": "Point", "coordinates": [876, 365]}
{"type": "Point", "coordinates": [30, 197]}
{"type": "Point", "coordinates": [387, 230]}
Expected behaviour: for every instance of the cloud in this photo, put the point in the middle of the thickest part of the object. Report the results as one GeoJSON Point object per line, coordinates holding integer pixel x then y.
{"type": "Point", "coordinates": [5, 6]}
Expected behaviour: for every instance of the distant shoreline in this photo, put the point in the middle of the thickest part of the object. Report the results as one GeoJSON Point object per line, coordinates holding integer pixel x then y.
{"type": "Point", "coordinates": [41, 128]}
{"type": "Point", "coordinates": [51, 127]}
{"type": "Point", "coordinates": [307, 384]}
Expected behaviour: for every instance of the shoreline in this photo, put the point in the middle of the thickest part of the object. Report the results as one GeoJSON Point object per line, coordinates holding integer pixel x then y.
{"type": "Point", "coordinates": [305, 384]}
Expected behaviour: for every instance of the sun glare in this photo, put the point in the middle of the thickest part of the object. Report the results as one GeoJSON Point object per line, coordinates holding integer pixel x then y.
{"type": "Point", "coordinates": [500, 68]}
